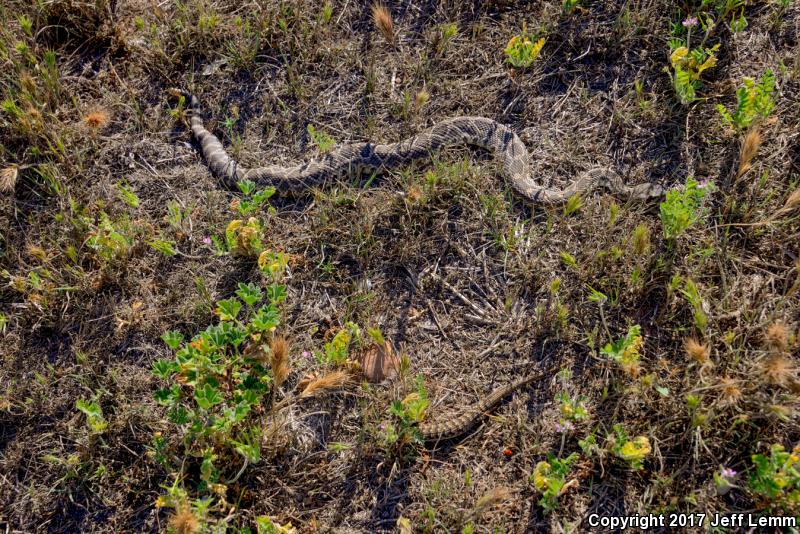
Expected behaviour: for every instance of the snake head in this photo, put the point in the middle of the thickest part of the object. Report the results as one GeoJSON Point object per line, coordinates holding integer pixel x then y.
{"type": "Point", "coordinates": [646, 191]}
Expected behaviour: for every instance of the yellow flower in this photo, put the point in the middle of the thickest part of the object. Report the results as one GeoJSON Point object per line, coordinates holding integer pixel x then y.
{"type": "Point", "coordinates": [162, 501]}
{"type": "Point", "coordinates": [540, 479]}
{"type": "Point", "coordinates": [678, 55]}
{"type": "Point", "coordinates": [636, 449]}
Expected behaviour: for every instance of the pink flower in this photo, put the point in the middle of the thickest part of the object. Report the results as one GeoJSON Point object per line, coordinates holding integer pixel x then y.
{"type": "Point", "coordinates": [691, 21]}
{"type": "Point", "coordinates": [207, 240]}
{"type": "Point", "coordinates": [306, 354]}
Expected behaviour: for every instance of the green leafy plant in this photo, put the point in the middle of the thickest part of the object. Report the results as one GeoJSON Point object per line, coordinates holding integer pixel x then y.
{"type": "Point", "coordinates": [217, 381]}
{"type": "Point", "coordinates": [681, 209]}
{"type": "Point", "coordinates": [406, 415]}
{"type": "Point", "coordinates": [336, 351]}
{"type": "Point", "coordinates": [94, 415]}
{"type": "Point", "coordinates": [754, 102]}
{"type": "Point", "coordinates": [550, 477]}
{"type": "Point", "coordinates": [687, 66]}
{"type": "Point", "coordinates": [323, 141]}
{"type": "Point", "coordinates": [626, 351]}
{"type": "Point", "coordinates": [522, 51]}
{"type": "Point", "coordinates": [254, 198]}
{"type": "Point", "coordinates": [633, 451]}
{"type": "Point", "coordinates": [776, 477]}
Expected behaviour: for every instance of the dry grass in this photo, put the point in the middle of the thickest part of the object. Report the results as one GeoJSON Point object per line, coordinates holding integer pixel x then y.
{"type": "Point", "coordinates": [458, 272]}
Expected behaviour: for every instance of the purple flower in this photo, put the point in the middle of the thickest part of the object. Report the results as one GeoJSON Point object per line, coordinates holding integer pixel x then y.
{"type": "Point", "coordinates": [691, 21]}
{"type": "Point", "coordinates": [207, 240]}
{"type": "Point", "coordinates": [564, 426]}
{"type": "Point", "coordinates": [727, 472]}
{"type": "Point", "coordinates": [306, 354]}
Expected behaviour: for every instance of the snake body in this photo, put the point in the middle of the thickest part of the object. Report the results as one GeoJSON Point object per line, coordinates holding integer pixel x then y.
{"type": "Point", "coordinates": [355, 158]}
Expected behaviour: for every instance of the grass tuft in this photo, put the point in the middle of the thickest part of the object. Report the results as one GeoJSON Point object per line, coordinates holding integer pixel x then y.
{"type": "Point", "coordinates": [382, 18]}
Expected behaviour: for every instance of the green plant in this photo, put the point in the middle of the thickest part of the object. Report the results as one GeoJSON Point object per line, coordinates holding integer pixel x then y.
{"type": "Point", "coordinates": [522, 51]}
{"type": "Point", "coordinates": [94, 415]}
{"type": "Point", "coordinates": [219, 379]}
{"type": "Point", "coordinates": [253, 198]}
{"type": "Point", "coordinates": [776, 477]}
{"type": "Point", "coordinates": [681, 209]}
{"type": "Point", "coordinates": [406, 415]}
{"type": "Point", "coordinates": [633, 451]}
{"type": "Point", "coordinates": [626, 351]}
{"type": "Point", "coordinates": [692, 294]}
{"type": "Point", "coordinates": [323, 141]}
{"type": "Point", "coordinates": [573, 204]}
{"type": "Point", "coordinates": [569, 6]}
{"type": "Point", "coordinates": [336, 351]}
{"type": "Point", "coordinates": [687, 66]}
{"type": "Point", "coordinates": [754, 102]}
{"type": "Point", "coordinates": [550, 478]}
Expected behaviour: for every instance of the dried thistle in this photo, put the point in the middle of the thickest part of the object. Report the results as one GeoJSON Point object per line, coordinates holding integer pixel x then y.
{"type": "Point", "coordinates": [96, 119]}
{"type": "Point", "coordinates": [279, 359]}
{"type": "Point", "coordinates": [183, 521]}
{"type": "Point", "coordinates": [382, 18]}
{"type": "Point", "coordinates": [748, 151]}
{"type": "Point", "coordinates": [699, 352]}
{"type": "Point", "coordinates": [8, 178]}
{"type": "Point", "coordinates": [331, 380]}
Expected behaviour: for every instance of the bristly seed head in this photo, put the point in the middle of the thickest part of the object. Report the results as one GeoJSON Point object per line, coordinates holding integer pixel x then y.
{"type": "Point", "coordinates": [279, 359]}
{"type": "Point", "coordinates": [730, 392]}
{"type": "Point", "coordinates": [748, 151]}
{"type": "Point", "coordinates": [697, 351]}
{"type": "Point", "coordinates": [778, 370]}
{"type": "Point", "coordinates": [777, 336]}
{"type": "Point", "coordinates": [8, 178]}
{"type": "Point", "coordinates": [183, 521]}
{"type": "Point", "coordinates": [383, 21]}
{"type": "Point", "coordinates": [96, 119]}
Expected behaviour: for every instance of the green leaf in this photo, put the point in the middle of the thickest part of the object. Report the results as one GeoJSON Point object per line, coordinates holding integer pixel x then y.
{"type": "Point", "coordinates": [228, 309]}
{"type": "Point", "coordinates": [207, 396]}
{"type": "Point", "coordinates": [172, 338]}
{"type": "Point", "coordinates": [165, 368]}
{"type": "Point", "coordinates": [249, 293]}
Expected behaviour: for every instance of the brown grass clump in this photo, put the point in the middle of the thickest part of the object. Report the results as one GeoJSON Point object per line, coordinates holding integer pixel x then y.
{"type": "Point", "coordinates": [96, 119]}
{"type": "Point", "coordinates": [698, 352]}
{"type": "Point", "coordinates": [748, 151]}
{"type": "Point", "coordinates": [777, 336]}
{"type": "Point", "coordinates": [331, 380]}
{"type": "Point", "coordinates": [8, 178]}
{"type": "Point", "coordinates": [383, 21]}
{"type": "Point", "coordinates": [183, 521]}
{"type": "Point", "coordinates": [279, 359]}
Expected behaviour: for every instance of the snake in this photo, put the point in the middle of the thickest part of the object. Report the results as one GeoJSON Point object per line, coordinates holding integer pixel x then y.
{"type": "Point", "coordinates": [355, 158]}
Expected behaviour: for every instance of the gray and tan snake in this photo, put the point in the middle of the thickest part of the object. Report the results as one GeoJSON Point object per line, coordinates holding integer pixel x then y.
{"type": "Point", "coordinates": [356, 158]}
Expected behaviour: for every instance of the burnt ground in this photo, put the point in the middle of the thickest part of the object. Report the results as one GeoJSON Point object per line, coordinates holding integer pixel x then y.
{"type": "Point", "coordinates": [475, 285]}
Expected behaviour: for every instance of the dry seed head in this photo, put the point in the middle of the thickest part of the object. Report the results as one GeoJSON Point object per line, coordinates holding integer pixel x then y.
{"type": "Point", "coordinates": [96, 119]}
{"type": "Point", "coordinates": [641, 239]}
{"type": "Point", "coordinates": [279, 361]}
{"type": "Point", "coordinates": [777, 336]}
{"type": "Point", "coordinates": [183, 521]}
{"type": "Point", "coordinates": [778, 370]}
{"type": "Point", "coordinates": [730, 392]}
{"type": "Point", "coordinates": [383, 21]}
{"type": "Point", "coordinates": [697, 351]}
{"type": "Point", "coordinates": [793, 201]}
{"type": "Point", "coordinates": [748, 151]}
{"type": "Point", "coordinates": [8, 178]}
{"type": "Point", "coordinates": [331, 380]}
{"type": "Point", "coordinates": [421, 98]}
{"type": "Point", "coordinates": [490, 498]}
